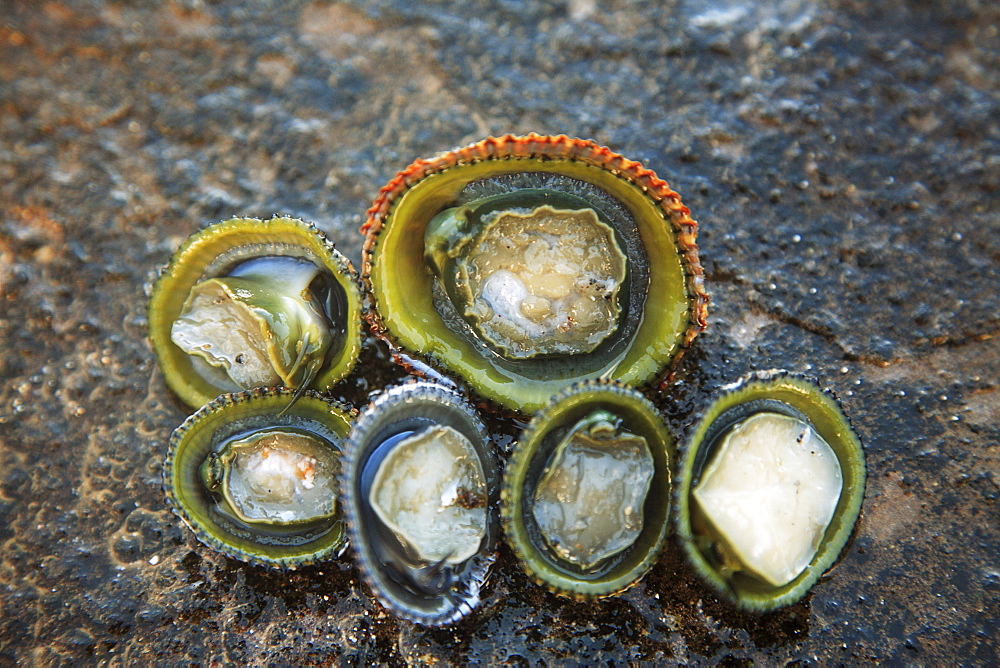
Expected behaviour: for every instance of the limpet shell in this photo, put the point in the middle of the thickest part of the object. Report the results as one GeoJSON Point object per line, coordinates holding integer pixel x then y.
{"type": "Point", "coordinates": [241, 416]}
{"type": "Point", "coordinates": [421, 513]}
{"type": "Point", "coordinates": [220, 248]}
{"type": "Point", "coordinates": [784, 394]}
{"type": "Point", "coordinates": [664, 277]}
{"type": "Point", "coordinates": [537, 451]}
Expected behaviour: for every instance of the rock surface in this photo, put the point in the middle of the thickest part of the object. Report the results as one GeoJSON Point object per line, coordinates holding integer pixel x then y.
{"type": "Point", "coordinates": [843, 159]}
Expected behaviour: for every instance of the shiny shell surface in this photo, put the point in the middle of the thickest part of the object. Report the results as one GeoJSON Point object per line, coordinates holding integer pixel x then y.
{"type": "Point", "coordinates": [444, 291]}
{"type": "Point", "coordinates": [815, 484]}
{"type": "Point", "coordinates": [586, 494]}
{"type": "Point", "coordinates": [255, 476]}
{"type": "Point", "coordinates": [236, 308]}
{"type": "Point", "coordinates": [420, 488]}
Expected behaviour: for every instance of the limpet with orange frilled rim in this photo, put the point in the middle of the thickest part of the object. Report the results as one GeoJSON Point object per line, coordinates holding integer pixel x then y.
{"type": "Point", "coordinates": [525, 264]}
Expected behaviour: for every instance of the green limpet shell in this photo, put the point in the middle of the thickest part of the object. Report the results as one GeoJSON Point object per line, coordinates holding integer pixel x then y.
{"type": "Point", "coordinates": [439, 297]}
{"type": "Point", "coordinates": [585, 417]}
{"type": "Point", "coordinates": [253, 281]}
{"type": "Point", "coordinates": [206, 483]}
{"type": "Point", "coordinates": [778, 393]}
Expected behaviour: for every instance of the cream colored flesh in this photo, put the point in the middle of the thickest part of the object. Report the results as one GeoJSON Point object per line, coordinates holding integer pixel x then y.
{"type": "Point", "coordinates": [769, 493]}
{"type": "Point", "coordinates": [222, 331]}
{"type": "Point", "coordinates": [545, 281]}
{"type": "Point", "coordinates": [430, 490]}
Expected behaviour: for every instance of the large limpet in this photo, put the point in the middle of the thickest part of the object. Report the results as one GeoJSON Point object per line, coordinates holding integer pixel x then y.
{"type": "Point", "coordinates": [464, 273]}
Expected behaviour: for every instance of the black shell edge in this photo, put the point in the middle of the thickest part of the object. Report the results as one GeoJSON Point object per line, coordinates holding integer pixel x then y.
{"type": "Point", "coordinates": [479, 572]}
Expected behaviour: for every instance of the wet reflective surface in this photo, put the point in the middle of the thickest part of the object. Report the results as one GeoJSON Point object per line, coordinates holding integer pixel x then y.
{"type": "Point", "coordinates": [842, 160]}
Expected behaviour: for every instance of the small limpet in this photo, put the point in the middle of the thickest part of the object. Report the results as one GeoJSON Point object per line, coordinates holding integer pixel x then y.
{"type": "Point", "coordinates": [254, 474]}
{"type": "Point", "coordinates": [586, 495]}
{"type": "Point", "coordinates": [250, 303]}
{"type": "Point", "coordinates": [770, 489]}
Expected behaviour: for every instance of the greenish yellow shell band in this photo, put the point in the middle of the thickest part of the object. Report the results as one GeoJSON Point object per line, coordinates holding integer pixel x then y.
{"type": "Point", "coordinates": [401, 284]}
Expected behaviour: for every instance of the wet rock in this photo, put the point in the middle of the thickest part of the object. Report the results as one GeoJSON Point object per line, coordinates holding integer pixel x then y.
{"type": "Point", "coordinates": [841, 159]}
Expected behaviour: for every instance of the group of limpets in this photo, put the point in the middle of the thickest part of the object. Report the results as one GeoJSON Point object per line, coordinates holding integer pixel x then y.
{"type": "Point", "coordinates": [537, 276]}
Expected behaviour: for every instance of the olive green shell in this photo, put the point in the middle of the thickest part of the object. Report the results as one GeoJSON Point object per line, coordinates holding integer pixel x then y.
{"type": "Point", "coordinates": [794, 395]}
{"type": "Point", "coordinates": [213, 251]}
{"type": "Point", "coordinates": [400, 285]}
{"type": "Point", "coordinates": [219, 421]}
{"type": "Point", "coordinates": [529, 457]}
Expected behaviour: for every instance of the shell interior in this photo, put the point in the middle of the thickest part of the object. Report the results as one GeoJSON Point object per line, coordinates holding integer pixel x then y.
{"type": "Point", "coordinates": [611, 559]}
{"type": "Point", "coordinates": [588, 503]}
{"type": "Point", "coordinates": [263, 323]}
{"type": "Point", "coordinates": [538, 270]}
{"type": "Point", "coordinates": [274, 476]}
{"type": "Point", "coordinates": [430, 491]}
{"type": "Point", "coordinates": [242, 419]}
{"type": "Point", "coordinates": [768, 495]}
{"type": "Point", "coordinates": [249, 315]}
{"type": "Point", "coordinates": [417, 314]}
{"type": "Point", "coordinates": [423, 568]}
{"type": "Point", "coordinates": [768, 393]}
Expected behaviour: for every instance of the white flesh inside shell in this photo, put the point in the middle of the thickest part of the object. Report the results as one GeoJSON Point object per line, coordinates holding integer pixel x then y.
{"type": "Point", "coordinates": [589, 502]}
{"type": "Point", "coordinates": [430, 490]}
{"type": "Point", "coordinates": [281, 477]}
{"type": "Point", "coordinates": [770, 492]}
{"type": "Point", "coordinates": [259, 324]}
{"type": "Point", "coordinates": [545, 281]}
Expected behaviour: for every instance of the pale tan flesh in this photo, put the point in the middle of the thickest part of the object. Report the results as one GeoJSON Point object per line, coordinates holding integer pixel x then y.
{"type": "Point", "coordinates": [545, 281]}
{"type": "Point", "coordinates": [225, 334]}
{"type": "Point", "coordinates": [589, 503]}
{"type": "Point", "coordinates": [430, 490]}
{"type": "Point", "coordinates": [281, 477]}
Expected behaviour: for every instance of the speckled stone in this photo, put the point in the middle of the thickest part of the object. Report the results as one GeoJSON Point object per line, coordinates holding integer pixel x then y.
{"type": "Point", "coordinates": [843, 159]}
